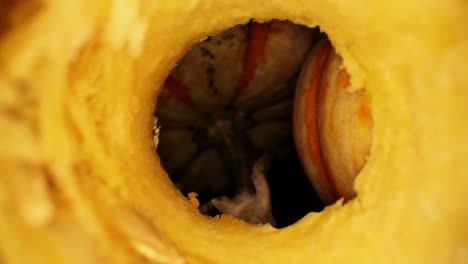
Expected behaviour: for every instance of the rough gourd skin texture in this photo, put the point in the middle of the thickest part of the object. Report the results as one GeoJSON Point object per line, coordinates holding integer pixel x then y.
{"type": "Point", "coordinates": [81, 183]}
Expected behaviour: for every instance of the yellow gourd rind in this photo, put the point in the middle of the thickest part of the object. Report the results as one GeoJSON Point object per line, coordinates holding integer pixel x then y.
{"type": "Point", "coordinates": [81, 182]}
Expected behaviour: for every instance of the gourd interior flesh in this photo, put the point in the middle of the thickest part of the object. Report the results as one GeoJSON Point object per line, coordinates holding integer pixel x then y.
{"type": "Point", "coordinates": [81, 183]}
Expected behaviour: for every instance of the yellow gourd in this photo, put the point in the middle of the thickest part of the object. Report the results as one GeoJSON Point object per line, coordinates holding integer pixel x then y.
{"type": "Point", "coordinates": [81, 183]}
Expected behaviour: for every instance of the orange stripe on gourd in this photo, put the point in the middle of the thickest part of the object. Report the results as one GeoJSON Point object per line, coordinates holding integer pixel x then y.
{"type": "Point", "coordinates": [258, 37]}
{"type": "Point", "coordinates": [178, 89]}
{"type": "Point", "coordinates": [337, 125]}
{"type": "Point", "coordinates": [311, 94]}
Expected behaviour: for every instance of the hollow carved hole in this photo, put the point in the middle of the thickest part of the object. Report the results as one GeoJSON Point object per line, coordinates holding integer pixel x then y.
{"type": "Point", "coordinates": [252, 119]}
